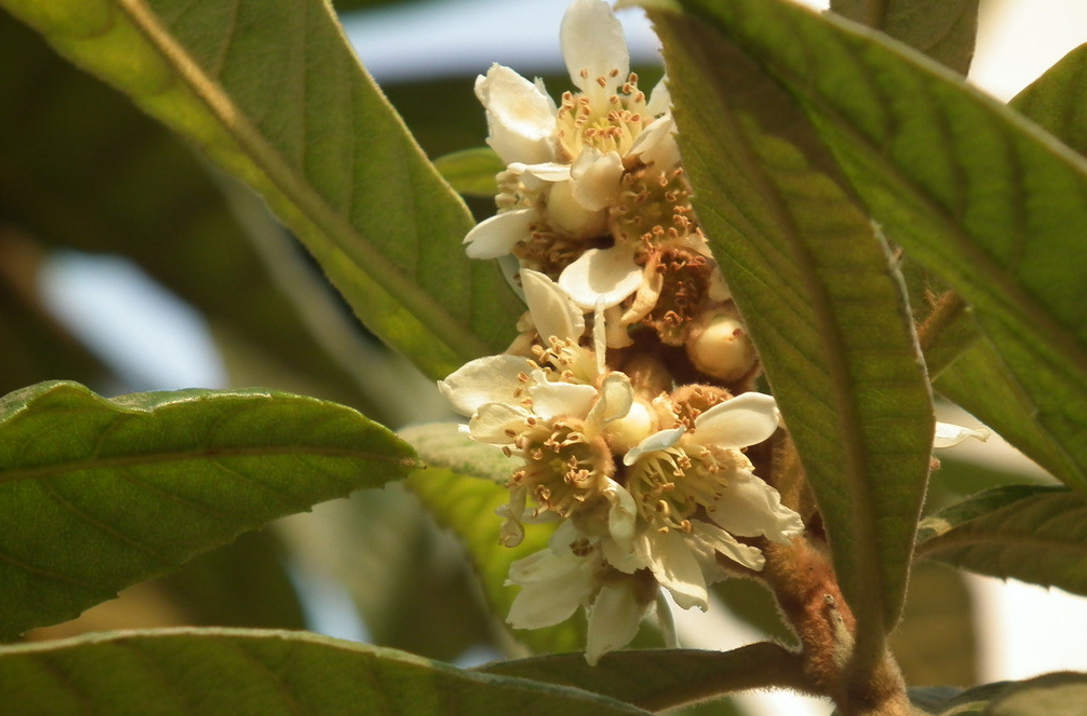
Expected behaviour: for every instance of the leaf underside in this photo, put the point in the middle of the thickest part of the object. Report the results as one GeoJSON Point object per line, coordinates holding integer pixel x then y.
{"type": "Point", "coordinates": [271, 90]}
{"type": "Point", "coordinates": [994, 207]}
{"type": "Point", "coordinates": [822, 303]}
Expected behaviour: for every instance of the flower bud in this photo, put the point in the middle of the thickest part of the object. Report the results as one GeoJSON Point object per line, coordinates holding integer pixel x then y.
{"type": "Point", "coordinates": [719, 346]}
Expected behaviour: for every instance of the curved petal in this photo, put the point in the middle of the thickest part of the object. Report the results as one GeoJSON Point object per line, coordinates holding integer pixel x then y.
{"type": "Point", "coordinates": [601, 277]}
{"type": "Point", "coordinates": [498, 235]}
{"type": "Point", "coordinates": [595, 178]}
{"type": "Point", "coordinates": [554, 587]}
{"type": "Point", "coordinates": [546, 172]}
{"type": "Point", "coordinates": [661, 440]}
{"type": "Point", "coordinates": [593, 45]}
{"type": "Point", "coordinates": [493, 379]}
{"type": "Point", "coordinates": [553, 313]}
{"type": "Point", "coordinates": [613, 620]}
{"type": "Point", "coordinates": [553, 399]}
{"type": "Point", "coordinates": [673, 563]}
{"type": "Point", "coordinates": [721, 541]}
{"type": "Point", "coordinates": [616, 395]}
{"type": "Point", "coordinates": [497, 423]}
{"type": "Point", "coordinates": [660, 99]}
{"type": "Point", "coordinates": [656, 145]}
{"type": "Point", "coordinates": [520, 116]}
{"type": "Point", "coordinates": [749, 507]}
{"type": "Point", "coordinates": [745, 420]}
{"type": "Point", "coordinates": [948, 435]}
{"type": "Point", "coordinates": [622, 515]}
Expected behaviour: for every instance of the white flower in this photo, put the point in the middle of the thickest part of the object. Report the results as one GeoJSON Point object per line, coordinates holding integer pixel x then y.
{"type": "Point", "coordinates": [565, 163]}
{"type": "Point", "coordinates": [573, 573]}
{"type": "Point", "coordinates": [696, 492]}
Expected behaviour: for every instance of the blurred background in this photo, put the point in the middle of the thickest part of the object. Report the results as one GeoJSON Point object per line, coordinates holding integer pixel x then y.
{"type": "Point", "coordinates": [127, 263]}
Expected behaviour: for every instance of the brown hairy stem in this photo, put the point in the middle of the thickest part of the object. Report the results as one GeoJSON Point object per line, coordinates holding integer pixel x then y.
{"type": "Point", "coordinates": [807, 591]}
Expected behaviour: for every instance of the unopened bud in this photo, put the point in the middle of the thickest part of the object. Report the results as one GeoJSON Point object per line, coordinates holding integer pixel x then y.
{"type": "Point", "coordinates": [719, 346]}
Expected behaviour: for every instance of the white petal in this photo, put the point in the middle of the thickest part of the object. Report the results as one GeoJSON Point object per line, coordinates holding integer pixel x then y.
{"type": "Point", "coordinates": [601, 277]}
{"type": "Point", "coordinates": [498, 235]}
{"type": "Point", "coordinates": [618, 395]}
{"type": "Point", "coordinates": [520, 116]}
{"type": "Point", "coordinates": [595, 178]}
{"type": "Point", "coordinates": [675, 566]}
{"type": "Point", "coordinates": [566, 212]}
{"type": "Point", "coordinates": [547, 172]}
{"type": "Point", "coordinates": [593, 45]}
{"type": "Point", "coordinates": [660, 100]}
{"type": "Point", "coordinates": [622, 515]}
{"type": "Point", "coordinates": [749, 507]}
{"type": "Point", "coordinates": [721, 541]}
{"type": "Point", "coordinates": [613, 620]}
{"type": "Point", "coordinates": [494, 379]}
{"type": "Point", "coordinates": [553, 399]}
{"type": "Point", "coordinates": [551, 595]}
{"type": "Point", "coordinates": [656, 145]}
{"type": "Point", "coordinates": [661, 440]}
{"type": "Point", "coordinates": [553, 313]}
{"type": "Point", "coordinates": [948, 435]}
{"type": "Point", "coordinates": [745, 420]}
{"type": "Point", "coordinates": [497, 423]}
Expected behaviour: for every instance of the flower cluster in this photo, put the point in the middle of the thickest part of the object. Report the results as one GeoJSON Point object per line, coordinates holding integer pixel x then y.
{"type": "Point", "coordinates": [594, 197]}
{"type": "Point", "coordinates": [628, 395]}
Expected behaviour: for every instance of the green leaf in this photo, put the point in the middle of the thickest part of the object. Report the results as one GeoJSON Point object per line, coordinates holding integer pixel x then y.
{"type": "Point", "coordinates": [945, 31]}
{"type": "Point", "coordinates": [980, 381]}
{"type": "Point", "coordinates": [965, 185]}
{"type": "Point", "coordinates": [234, 672]}
{"type": "Point", "coordinates": [100, 494]}
{"type": "Point", "coordinates": [949, 701]}
{"type": "Point", "coordinates": [1054, 101]}
{"type": "Point", "coordinates": [1049, 695]}
{"type": "Point", "coordinates": [271, 90]}
{"type": "Point", "coordinates": [471, 171]}
{"type": "Point", "coordinates": [1033, 533]}
{"type": "Point", "coordinates": [661, 679]}
{"type": "Point", "coordinates": [127, 185]}
{"type": "Point", "coordinates": [462, 486]}
{"type": "Point", "coordinates": [824, 307]}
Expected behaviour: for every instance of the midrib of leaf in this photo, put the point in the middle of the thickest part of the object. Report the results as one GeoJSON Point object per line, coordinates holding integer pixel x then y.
{"type": "Point", "coordinates": [279, 173]}
{"type": "Point", "coordinates": [834, 352]}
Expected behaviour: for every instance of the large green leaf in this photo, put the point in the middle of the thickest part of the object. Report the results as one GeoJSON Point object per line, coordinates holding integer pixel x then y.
{"type": "Point", "coordinates": [980, 380]}
{"type": "Point", "coordinates": [272, 91]}
{"type": "Point", "coordinates": [662, 679]}
{"type": "Point", "coordinates": [84, 169]}
{"type": "Point", "coordinates": [462, 486]}
{"type": "Point", "coordinates": [99, 494]}
{"type": "Point", "coordinates": [824, 307]}
{"type": "Point", "coordinates": [1029, 532]}
{"type": "Point", "coordinates": [945, 30]}
{"type": "Point", "coordinates": [233, 672]}
{"type": "Point", "coordinates": [971, 190]}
